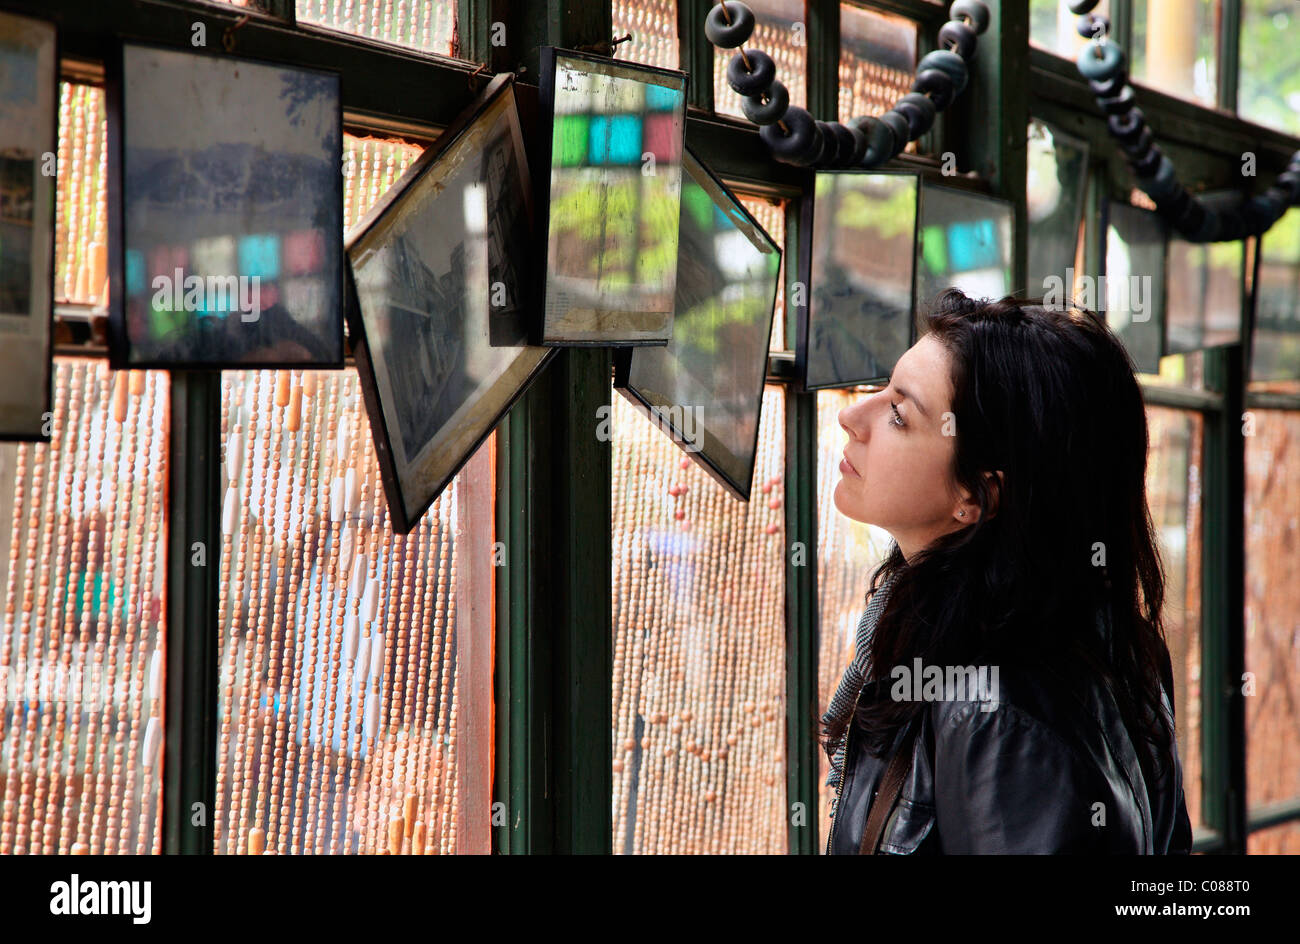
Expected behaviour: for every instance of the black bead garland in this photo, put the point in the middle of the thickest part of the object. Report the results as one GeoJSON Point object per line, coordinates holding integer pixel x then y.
{"type": "Point", "coordinates": [794, 137]}
{"type": "Point", "coordinates": [1102, 63]}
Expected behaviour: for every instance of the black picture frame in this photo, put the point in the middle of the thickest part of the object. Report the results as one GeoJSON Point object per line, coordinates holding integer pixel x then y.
{"type": "Point", "coordinates": [641, 320]}
{"type": "Point", "coordinates": [656, 379]}
{"type": "Point", "coordinates": [420, 442]}
{"type": "Point", "coordinates": [850, 334]}
{"type": "Point", "coordinates": [29, 142]}
{"type": "Point", "coordinates": [308, 183]}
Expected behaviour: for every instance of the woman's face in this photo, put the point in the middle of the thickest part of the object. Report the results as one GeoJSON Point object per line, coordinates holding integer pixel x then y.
{"type": "Point", "coordinates": [900, 450]}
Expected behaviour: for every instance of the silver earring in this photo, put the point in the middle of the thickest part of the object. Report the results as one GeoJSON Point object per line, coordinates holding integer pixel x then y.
{"type": "Point", "coordinates": [962, 514]}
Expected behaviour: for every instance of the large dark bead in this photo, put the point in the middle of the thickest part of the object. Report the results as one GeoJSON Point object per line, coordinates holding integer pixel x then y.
{"type": "Point", "coordinates": [729, 35]}
{"type": "Point", "coordinates": [936, 84]}
{"type": "Point", "coordinates": [919, 112]}
{"type": "Point", "coordinates": [754, 79]}
{"type": "Point", "coordinates": [959, 37]}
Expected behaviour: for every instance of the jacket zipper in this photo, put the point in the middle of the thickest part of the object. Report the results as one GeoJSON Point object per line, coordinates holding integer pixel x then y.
{"type": "Point", "coordinates": [839, 788]}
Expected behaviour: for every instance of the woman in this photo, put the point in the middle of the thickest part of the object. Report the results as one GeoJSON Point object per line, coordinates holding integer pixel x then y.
{"type": "Point", "coordinates": [1007, 457]}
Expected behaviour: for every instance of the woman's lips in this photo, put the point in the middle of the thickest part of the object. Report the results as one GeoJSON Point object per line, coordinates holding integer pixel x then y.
{"type": "Point", "coordinates": [847, 468]}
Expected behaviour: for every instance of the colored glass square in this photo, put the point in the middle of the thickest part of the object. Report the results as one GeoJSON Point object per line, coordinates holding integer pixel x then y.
{"type": "Point", "coordinates": [934, 249]}
{"type": "Point", "coordinates": [570, 140]}
{"type": "Point", "coordinates": [259, 256]}
{"type": "Point", "coordinates": [135, 283]}
{"type": "Point", "coordinates": [615, 139]}
{"type": "Point", "coordinates": [303, 251]}
{"type": "Point", "coordinates": [662, 98]}
{"type": "Point", "coordinates": [972, 245]}
{"type": "Point", "coordinates": [662, 138]}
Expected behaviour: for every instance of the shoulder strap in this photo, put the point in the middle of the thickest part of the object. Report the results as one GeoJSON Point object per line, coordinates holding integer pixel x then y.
{"type": "Point", "coordinates": [891, 786]}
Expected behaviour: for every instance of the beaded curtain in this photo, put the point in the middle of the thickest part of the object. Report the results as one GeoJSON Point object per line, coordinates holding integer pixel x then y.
{"type": "Point", "coordinates": [338, 692]}
{"type": "Point", "coordinates": [848, 553]}
{"type": "Point", "coordinates": [1273, 621]}
{"type": "Point", "coordinates": [653, 25]}
{"type": "Point", "coordinates": [81, 652]}
{"type": "Point", "coordinates": [1174, 463]}
{"type": "Point", "coordinates": [699, 646]}
{"type": "Point", "coordinates": [428, 25]}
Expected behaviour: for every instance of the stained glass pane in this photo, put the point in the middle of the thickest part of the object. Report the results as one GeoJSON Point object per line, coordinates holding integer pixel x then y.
{"type": "Point", "coordinates": [699, 646]}
{"type": "Point", "coordinates": [82, 660]}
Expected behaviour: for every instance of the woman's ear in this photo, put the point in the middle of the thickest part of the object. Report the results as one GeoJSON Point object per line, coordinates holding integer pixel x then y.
{"type": "Point", "coordinates": [968, 511]}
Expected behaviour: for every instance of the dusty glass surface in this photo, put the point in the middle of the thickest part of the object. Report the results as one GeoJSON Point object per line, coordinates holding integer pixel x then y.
{"type": "Point", "coordinates": [1056, 181]}
{"type": "Point", "coordinates": [615, 199]}
{"type": "Point", "coordinates": [233, 212]}
{"type": "Point", "coordinates": [965, 240]}
{"type": "Point", "coordinates": [712, 370]}
{"type": "Point", "coordinates": [863, 258]}
{"type": "Point", "coordinates": [1135, 283]}
{"type": "Point", "coordinates": [439, 282]}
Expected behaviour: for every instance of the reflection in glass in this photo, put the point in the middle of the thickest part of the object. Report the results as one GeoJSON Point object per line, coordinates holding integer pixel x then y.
{"type": "Point", "coordinates": [863, 257]}
{"type": "Point", "coordinates": [1135, 282]}
{"type": "Point", "coordinates": [439, 284]}
{"type": "Point", "coordinates": [1205, 288]}
{"type": "Point", "coordinates": [965, 241]}
{"type": "Point", "coordinates": [233, 212]}
{"type": "Point", "coordinates": [1275, 348]}
{"type": "Point", "coordinates": [615, 199]}
{"type": "Point", "coordinates": [1057, 178]}
{"type": "Point", "coordinates": [1051, 26]}
{"type": "Point", "coordinates": [707, 383]}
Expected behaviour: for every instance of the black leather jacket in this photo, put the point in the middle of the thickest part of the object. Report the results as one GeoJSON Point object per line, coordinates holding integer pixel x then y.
{"type": "Point", "coordinates": [1042, 772]}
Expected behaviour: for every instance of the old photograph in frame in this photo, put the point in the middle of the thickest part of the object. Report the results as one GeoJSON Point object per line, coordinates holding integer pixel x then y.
{"type": "Point", "coordinates": [438, 299]}
{"type": "Point", "coordinates": [28, 142]}
{"type": "Point", "coordinates": [609, 199]}
{"type": "Point", "coordinates": [225, 212]}
{"type": "Point", "coordinates": [861, 278]}
{"type": "Point", "coordinates": [1134, 298]}
{"type": "Point", "coordinates": [704, 388]}
{"type": "Point", "coordinates": [964, 240]}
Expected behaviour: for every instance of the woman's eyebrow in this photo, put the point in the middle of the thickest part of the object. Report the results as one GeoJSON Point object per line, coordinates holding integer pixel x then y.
{"type": "Point", "coordinates": [919, 405]}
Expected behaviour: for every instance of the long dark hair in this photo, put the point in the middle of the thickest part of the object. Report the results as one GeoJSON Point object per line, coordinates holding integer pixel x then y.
{"type": "Point", "coordinates": [1049, 398]}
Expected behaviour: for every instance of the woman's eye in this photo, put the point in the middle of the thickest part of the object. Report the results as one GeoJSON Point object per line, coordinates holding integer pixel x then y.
{"type": "Point", "coordinates": [898, 417]}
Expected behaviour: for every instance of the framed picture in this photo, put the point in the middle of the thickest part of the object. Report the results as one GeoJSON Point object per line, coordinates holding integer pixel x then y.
{"type": "Point", "coordinates": [861, 277]}
{"type": "Point", "coordinates": [609, 199]}
{"type": "Point", "coordinates": [1134, 294]}
{"type": "Point", "coordinates": [1056, 184]}
{"type": "Point", "coordinates": [438, 302]}
{"type": "Point", "coordinates": [29, 107]}
{"type": "Point", "coordinates": [965, 240]}
{"type": "Point", "coordinates": [1275, 346]}
{"type": "Point", "coordinates": [1207, 287]}
{"type": "Point", "coordinates": [705, 386]}
{"type": "Point", "coordinates": [226, 212]}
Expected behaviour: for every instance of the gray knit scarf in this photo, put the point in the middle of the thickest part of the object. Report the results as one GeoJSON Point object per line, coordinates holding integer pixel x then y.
{"type": "Point", "coordinates": [855, 676]}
